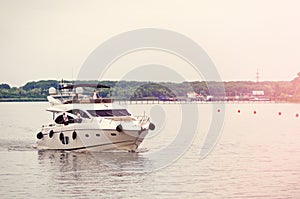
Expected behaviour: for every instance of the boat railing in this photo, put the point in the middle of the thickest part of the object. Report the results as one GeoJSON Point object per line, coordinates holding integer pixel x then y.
{"type": "Point", "coordinates": [88, 101]}
{"type": "Point", "coordinates": [143, 119]}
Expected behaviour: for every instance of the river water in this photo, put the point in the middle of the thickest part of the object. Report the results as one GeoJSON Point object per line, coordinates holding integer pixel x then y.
{"type": "Point", "coordinates": [257, 156]}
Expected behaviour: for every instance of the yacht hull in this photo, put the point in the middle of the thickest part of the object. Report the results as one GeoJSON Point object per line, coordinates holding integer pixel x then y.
{"type": "Point", "coordinates": [94, 140]}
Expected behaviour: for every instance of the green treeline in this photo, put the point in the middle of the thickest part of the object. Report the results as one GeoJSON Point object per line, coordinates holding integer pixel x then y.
{"type": "Point", "coordinates": [38, 90]}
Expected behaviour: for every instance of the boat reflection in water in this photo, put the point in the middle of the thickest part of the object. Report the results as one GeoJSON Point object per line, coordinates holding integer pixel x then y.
{"type": "Point", "coordinates": [103, 174]}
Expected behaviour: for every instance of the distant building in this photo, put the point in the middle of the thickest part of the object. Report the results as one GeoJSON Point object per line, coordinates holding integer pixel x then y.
{"type": "Point", "coordinates": [258, 96]}
{"type": "Point", "coordinates": [194, 96]}
{"type": "Point", "coordinates": [209, 98]}
{"type": "Point", "coordinates": [258, 93]}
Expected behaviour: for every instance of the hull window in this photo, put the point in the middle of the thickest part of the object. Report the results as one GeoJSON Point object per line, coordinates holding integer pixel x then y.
{"type": "Point", "coordinates": [67, 140]}
{"type": "Point", "coordinates": [97, 134]}
{"type": "Point", "coordinates": [64, 139]}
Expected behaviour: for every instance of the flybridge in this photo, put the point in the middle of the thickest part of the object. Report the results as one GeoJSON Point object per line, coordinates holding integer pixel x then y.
{"type": "Point", "coordinates": [74, 93]}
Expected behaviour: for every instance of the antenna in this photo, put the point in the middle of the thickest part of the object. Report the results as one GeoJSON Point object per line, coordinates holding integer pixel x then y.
{"type": "Point", "coordinates": [72, 74]}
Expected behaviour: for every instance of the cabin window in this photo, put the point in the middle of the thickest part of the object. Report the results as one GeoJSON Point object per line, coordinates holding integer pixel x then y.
{"type": "Point", "coordinates": [81, 112]}
{"type": "Point", "coordinates": [87, 135]}
{"type": "Point", "coordinates": [98, 134]}
{"type": "Point", "coordinates": [109, 113]}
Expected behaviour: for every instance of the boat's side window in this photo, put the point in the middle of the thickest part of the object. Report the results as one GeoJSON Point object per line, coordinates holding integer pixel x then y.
{"type": "Point", "coordinates": [82, 113]}
{"type": "Point", "coordinates": [93, 113]}
{"type": "Point", "coordinates": [109, 113]}
{"type": "Point", "coordinates": [67, 140]}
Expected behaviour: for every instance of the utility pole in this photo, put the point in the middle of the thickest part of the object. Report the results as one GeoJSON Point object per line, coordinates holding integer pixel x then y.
{"type": "Point", "coordinates": [257, 76]}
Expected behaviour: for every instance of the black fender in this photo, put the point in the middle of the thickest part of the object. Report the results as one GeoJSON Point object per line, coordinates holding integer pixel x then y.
{"type": "Point", "coordinates": [51, 133]}
{"type": "Point", "coordinates": [61, 136]}
{"type": "Point", "coordinates": [151, 126]}
{"type": "Point", "coordinates": [119, 128]}
{"type": "Point", "coordinates": [74, 135]}
{"type": "Point", "coordinates": [40, 135]}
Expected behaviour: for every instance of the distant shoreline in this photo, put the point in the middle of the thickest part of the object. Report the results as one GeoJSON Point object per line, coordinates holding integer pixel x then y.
{"type": "Point", "coordinates": [240, 91]}
{"type": "Point", "coordinates": [156, 101]}
{"type": "Point", "coordinates": [23, 100]}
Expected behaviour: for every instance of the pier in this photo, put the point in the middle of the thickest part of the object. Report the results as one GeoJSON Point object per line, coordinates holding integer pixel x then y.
{"type": "Point", "coordinates": [156, 101]}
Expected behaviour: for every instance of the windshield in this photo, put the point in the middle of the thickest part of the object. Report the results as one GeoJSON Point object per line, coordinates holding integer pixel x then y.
{"type": "Point", "coordinates": [109, 113]}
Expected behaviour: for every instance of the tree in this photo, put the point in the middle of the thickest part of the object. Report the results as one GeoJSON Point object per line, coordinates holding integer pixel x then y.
{"type": "Point", "coordinates": [296, 85]}
{"type": "Point", "coordinates": [4, 86]}
{"type": "Point", "coordinates": [44, 85]}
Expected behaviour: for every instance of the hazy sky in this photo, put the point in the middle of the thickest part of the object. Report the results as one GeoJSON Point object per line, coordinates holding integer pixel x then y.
{"type": "Point", "coordinates": [51, 39]}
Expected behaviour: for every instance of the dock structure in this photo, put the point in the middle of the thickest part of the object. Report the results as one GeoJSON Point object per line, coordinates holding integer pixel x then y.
{"type": "Point", "coordinates": [156, 101]}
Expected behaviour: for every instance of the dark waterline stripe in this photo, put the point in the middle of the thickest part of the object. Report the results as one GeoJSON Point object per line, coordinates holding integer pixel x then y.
{"type": "Point", "coordinates": [84, 129]}
{"type": "Point", "coordinates": [86, 147]}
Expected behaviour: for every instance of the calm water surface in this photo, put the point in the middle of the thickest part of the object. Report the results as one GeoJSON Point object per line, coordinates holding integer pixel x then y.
{"type": "Point", "coordinates": [257, 156]}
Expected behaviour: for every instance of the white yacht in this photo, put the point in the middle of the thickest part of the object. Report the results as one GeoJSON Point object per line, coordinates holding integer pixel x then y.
{"type": "Point", "coordinates": [88, 123]}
